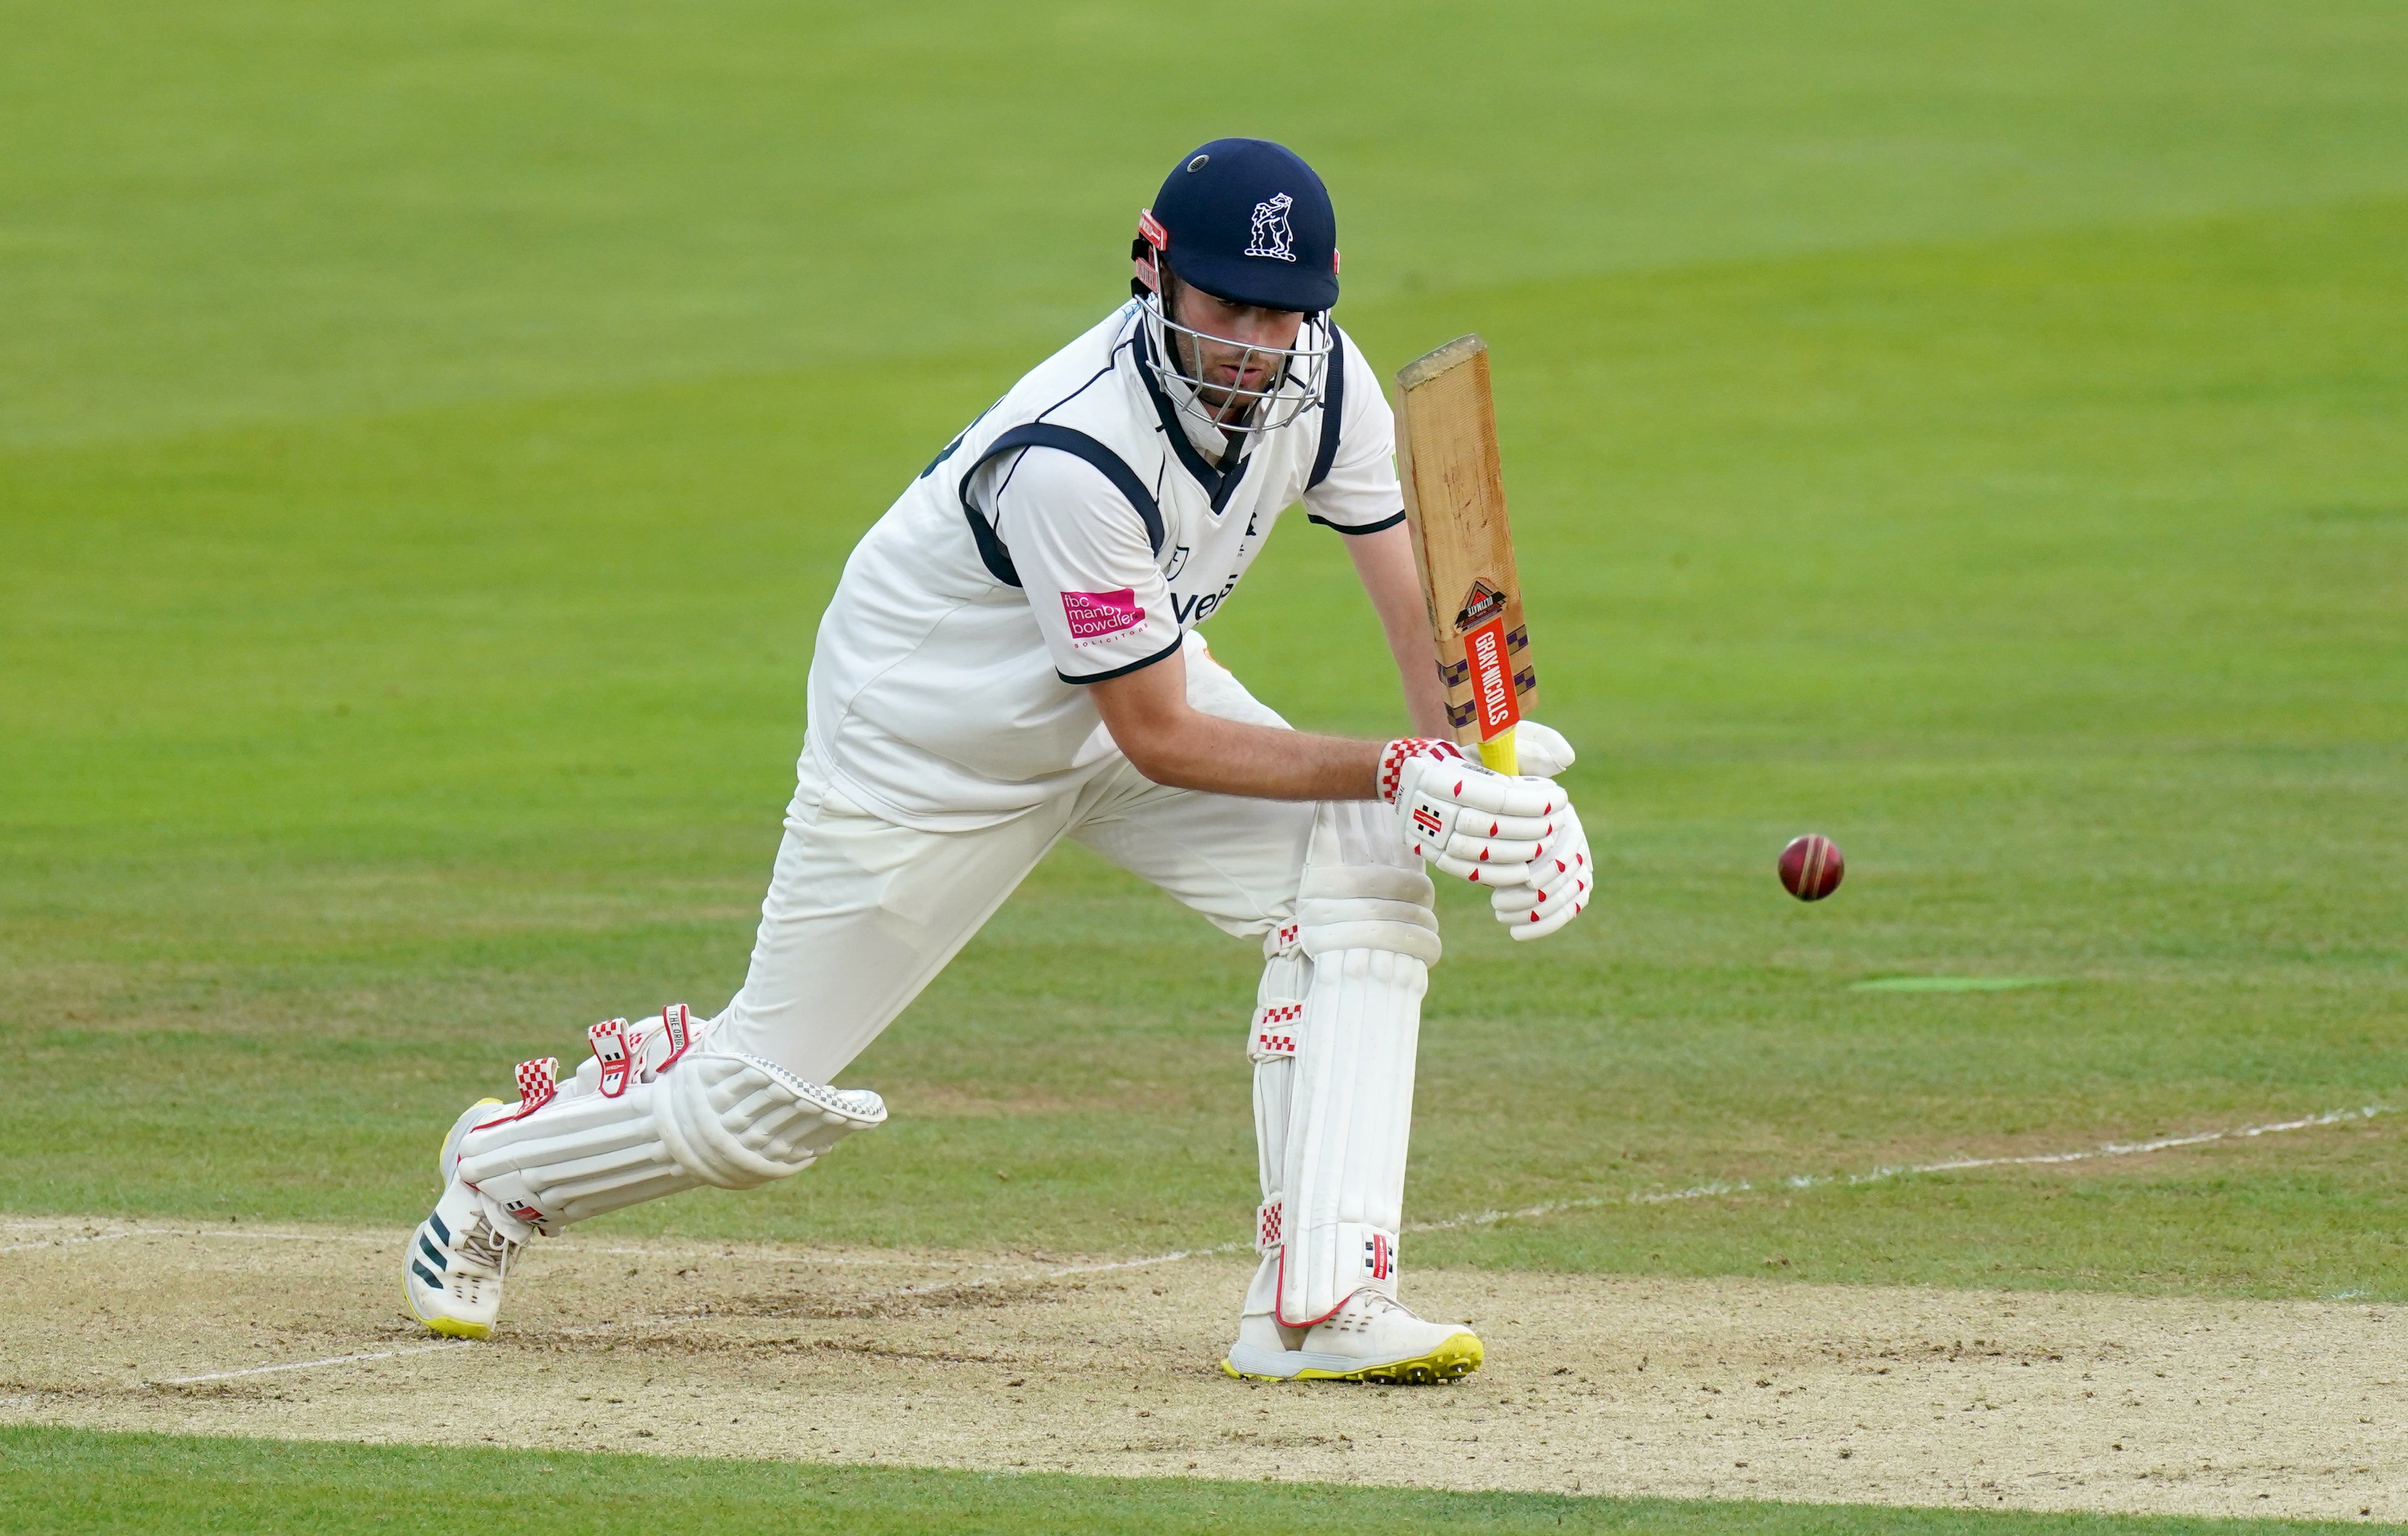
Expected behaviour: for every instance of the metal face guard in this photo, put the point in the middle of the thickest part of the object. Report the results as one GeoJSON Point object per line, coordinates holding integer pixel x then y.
{"type": "Point", "coordinates": [1298, 375]}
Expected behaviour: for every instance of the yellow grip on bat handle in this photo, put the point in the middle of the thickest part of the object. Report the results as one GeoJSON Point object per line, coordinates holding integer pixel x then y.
{"type": "Point", "coordinates": [1498, 753]}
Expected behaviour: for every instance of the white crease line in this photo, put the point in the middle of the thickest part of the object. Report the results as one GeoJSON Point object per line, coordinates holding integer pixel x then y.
{"type": "Point", "coordinates": [61, 1243]}
{"type": "Point", "coordinates": [1143, 1263]}
{"type": "Point", "coordinates": [282, 1236]}
{"type": "Point", "coordinates": [1809, 1181]}
{"type": "Point", "coordinates": [200, 1232]}
{"type": "Point", "coordinates": [771, 1258]}
{"type": "Point", "coordinates": [1016, 1272]}
{"type": "Point", "coordinates": [232, 1229]}
{"type": "Point", "coordinates": [1078, 1268]}
{"type": "Point", "coordinates": [401, 1238]}
{"type": "Point", "coordinates": [305, 1365]}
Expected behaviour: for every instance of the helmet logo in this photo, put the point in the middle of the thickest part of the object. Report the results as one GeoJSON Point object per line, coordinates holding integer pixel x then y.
{"type": "Point", "coordinates": [1272, 236]}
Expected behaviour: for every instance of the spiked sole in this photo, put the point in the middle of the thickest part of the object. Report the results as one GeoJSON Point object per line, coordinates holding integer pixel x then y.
{"type": "Point", "coordinates": [1457, 1357]}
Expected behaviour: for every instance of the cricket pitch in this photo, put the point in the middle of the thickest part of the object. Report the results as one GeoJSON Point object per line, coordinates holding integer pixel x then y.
{"type": "Point", "coordinates": [1725, 1388]}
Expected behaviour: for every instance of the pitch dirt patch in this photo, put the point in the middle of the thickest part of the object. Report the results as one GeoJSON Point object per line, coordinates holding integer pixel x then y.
{"type": "Point", "coordinates": [1729, 1388]}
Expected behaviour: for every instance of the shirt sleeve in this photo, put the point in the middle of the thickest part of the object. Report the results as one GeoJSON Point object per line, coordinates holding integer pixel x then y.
{"type": "Point", "coordinates": [1361, 493]}
{"type": "Point", "coordinates": [1084, 563]}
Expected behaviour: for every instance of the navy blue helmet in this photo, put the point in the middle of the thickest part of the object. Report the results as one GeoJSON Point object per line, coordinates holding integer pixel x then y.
{"type": "Point", "coordinates": [1247, 221]}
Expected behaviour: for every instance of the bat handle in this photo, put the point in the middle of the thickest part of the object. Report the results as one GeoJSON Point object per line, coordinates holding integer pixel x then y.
{"type": "Point", "coordinates": [1498, 753]}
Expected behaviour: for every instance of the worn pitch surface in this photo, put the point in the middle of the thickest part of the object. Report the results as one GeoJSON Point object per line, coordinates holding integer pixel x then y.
{"type": "Point", "coordinates": [1728, 1387]}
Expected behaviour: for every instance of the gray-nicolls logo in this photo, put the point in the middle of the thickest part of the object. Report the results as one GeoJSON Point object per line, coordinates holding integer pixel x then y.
{"type": "Point", "coordinates": [1272, 236]}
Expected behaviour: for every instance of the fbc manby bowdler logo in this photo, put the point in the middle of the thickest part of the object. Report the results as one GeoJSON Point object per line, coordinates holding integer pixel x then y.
{"type": "Point", "coordinates": [1273, 237]}
{"type": "Point", "coordinates": [1098, 615]}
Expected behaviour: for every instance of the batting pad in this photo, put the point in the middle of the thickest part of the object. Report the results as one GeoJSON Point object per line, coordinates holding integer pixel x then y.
{"type": "Point", "coordinates": [731, 1121]}
{"type": "Point", "coordinates": [1334, 1082]}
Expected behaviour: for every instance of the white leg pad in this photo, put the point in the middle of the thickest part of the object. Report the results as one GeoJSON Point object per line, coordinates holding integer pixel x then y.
{"type": "Point", "coordinates": [739, 1122]}
{"type": "Point", "coordinates": [731, 1121]}
{"type": "Point", "coordinates": [1278, 1024]}
{"type": "Point", "coordinates": [1334, 1093]}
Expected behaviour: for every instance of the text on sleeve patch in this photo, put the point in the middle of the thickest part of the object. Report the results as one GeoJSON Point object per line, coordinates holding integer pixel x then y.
{"type": "Point", "coordinates": [1097, 615]}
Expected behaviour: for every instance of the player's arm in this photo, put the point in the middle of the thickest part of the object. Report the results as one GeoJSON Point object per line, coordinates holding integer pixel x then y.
{"type": "Point", "coordinates": [1084, 558]}
{"type": "Point", "coordinates": [1172, 742]}
{"type": "Point", "coordinates": [1385, 561]}
{"type": "Point", "coordinates": [1518, 836]}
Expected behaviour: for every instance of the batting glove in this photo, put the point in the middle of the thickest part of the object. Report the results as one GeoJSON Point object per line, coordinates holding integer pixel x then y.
{"type": "Point", "coordinates": [1558, 889]}
{"type": "Point", "coordinates": [1474, 824]}
{"type": "Point", "coordinates": [1542, 750]}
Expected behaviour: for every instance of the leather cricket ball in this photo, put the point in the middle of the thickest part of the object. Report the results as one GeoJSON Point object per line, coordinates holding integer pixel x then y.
{"type": "Point", "coordinates": [1810, 867]}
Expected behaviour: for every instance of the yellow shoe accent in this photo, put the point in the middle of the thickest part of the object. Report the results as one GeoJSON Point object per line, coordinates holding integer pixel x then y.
{"type": "Point", "coordinates": [1457, 1357]}
{"type": "Point", "coordinates": [451, 1327]}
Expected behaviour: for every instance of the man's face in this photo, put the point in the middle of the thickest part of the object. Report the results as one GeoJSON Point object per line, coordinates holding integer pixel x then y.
{"type": "Point", "coordinates": [1227, 330]}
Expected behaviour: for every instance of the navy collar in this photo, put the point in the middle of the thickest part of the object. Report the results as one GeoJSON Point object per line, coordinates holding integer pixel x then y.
{"type": "Point", "coordinates": [1216, 485]}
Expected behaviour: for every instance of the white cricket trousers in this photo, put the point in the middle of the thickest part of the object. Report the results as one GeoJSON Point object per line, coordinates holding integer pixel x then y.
{"type": "Point", "coordinates": [862, 913]}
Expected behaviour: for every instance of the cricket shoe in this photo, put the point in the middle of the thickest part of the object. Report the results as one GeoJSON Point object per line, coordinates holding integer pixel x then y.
{"type": "Point", "coordinates": [1370, 1338]}
{"type": "Point", "coordinates": [453, 1274]}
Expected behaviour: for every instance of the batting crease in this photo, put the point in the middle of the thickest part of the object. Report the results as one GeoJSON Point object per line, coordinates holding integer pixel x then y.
{"type": "Point", "coordinates": [187, 1232]}
{"type": "Point", "coordinates": [61, 1243]}
{"type": "Point", "coordinates": [1810, 1180]}
{"type": "Point", "coordinates": [305, 1365]}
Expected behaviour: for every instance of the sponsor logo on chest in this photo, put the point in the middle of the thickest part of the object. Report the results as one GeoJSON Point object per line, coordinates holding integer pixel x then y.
{"type": "Point", "coordinates": [1192, 610]}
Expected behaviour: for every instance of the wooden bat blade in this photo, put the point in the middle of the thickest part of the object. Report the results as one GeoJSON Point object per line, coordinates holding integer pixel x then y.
{"type": "Point", "coordinates": [1454, 498]}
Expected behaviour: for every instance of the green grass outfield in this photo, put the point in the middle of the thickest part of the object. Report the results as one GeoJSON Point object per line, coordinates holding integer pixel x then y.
{"type": "Point", "coordinates": [64, 1482]}
{"type": "Point", "coordinates": [427, 438]}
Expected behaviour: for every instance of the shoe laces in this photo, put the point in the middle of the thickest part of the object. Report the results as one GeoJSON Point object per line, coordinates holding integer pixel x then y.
{"type": "Point", "coordinates": [1364, 1307]}
{"type": "Point", "coordinates": [482, 1245]}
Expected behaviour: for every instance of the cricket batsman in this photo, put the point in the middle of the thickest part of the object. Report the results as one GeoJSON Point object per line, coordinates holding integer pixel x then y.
{"type": "Point", "coordinates": [1012, 658]}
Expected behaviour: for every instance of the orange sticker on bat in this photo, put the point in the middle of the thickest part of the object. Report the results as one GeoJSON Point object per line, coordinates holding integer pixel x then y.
{"type": "Point", "coordinates": [1491, 680]}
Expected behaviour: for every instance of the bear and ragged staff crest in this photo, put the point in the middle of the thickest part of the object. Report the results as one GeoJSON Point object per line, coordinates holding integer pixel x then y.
{"type": "Point", "coordinates": [1272, 235]}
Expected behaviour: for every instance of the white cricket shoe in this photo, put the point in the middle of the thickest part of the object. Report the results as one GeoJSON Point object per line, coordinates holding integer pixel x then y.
{"type": "Point", "coordinates": [1371, 1339]}
{"type": "Point", "coordinates": [453, 1274]}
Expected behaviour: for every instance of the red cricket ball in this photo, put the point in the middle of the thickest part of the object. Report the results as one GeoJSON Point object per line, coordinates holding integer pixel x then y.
{"type": "Point", "coordinates": [1810, 867]}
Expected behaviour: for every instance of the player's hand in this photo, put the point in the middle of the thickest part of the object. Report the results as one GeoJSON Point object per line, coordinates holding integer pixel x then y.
{"type": "Point", "coordinates": [1562, 879]}
{"type": "Point", "coordinates": [1541, 750]}
{"type": "Point", "coordinates": [1474, 824]}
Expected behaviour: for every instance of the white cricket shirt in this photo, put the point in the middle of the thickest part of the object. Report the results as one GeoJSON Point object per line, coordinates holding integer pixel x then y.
{"type": "Point", "coordinates": [1074, 532]}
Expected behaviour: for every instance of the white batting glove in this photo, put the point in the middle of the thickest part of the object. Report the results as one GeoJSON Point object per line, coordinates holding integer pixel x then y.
{"type": "Point", "coordinates": [1562, 877]}
{"type": "Point", "coordinates": [1561, 884]}
{"type": "Point", "coordinates": [1542, 750]}
{"type": "Point", "coordinates": [1467, 820]}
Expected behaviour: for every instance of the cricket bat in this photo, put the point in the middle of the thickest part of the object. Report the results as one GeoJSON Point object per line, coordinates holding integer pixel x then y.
{"type": "Point", "coordinates": [1455, 501]}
